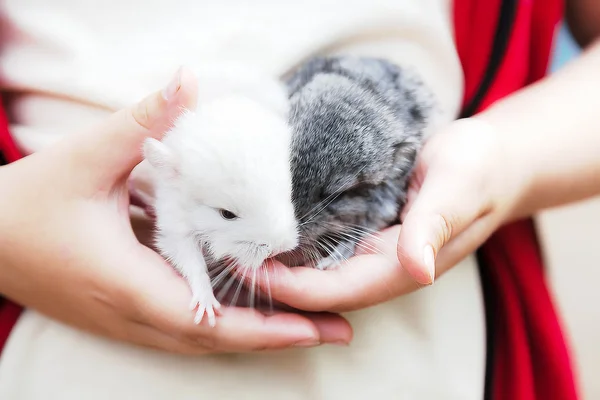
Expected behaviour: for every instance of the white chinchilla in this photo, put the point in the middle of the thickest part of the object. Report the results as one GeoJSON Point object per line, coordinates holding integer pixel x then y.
{"type": "Point", "coordinates": [223, 182]}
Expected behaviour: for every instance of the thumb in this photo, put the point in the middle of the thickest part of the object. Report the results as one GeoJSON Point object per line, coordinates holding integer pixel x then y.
{"type": "Point", "coordinates": [439, 213]}
{"type": "Point", "coordinates": [113, 148]}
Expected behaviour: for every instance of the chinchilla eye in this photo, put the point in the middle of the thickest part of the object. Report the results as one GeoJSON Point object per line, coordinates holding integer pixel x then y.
{"type": "Point", "coordinates": [228, 215]}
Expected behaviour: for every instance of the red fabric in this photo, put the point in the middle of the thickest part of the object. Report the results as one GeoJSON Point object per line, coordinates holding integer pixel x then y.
{"type": "Point", "coordinates": [9, 312]}
{"type": "Point", "coordinates": [529, 354]}
{"type": "Point", "coordinates": [480, 17]}
{"type": "Point", "coordinates": [7, 145]}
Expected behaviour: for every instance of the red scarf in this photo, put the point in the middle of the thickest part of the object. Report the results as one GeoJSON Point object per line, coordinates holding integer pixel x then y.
{"type": "Point", "coordinates": [9, 312]}
{"type": "Point", "coordinates": [503, 46]}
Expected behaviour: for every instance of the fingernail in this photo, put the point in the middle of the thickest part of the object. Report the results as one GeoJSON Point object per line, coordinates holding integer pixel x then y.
{"type": "Point", "coordinates": [429, 259]}
{"type": "Point", "coordinates": [307, 343]}
{"type": "Point", "coordinates": [173, 87]}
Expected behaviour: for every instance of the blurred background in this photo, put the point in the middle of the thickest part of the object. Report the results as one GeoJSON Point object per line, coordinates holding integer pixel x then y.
{"type": "Point", "coordinates": [570, 238]}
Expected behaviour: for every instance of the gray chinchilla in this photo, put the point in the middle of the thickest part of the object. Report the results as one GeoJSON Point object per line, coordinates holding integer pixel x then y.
{"type": "Point", "coordinates": [357, 125]}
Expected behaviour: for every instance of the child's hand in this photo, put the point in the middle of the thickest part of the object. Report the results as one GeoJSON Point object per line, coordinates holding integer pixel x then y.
{"type": "Point", "coordinates": [67, 248]}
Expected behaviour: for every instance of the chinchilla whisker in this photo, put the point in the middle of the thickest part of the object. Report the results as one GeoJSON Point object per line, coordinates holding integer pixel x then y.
{"type": "Point", "coordinates": [313, 255]}
{"type": "Point", "coordinates": [354, 234]}
{"type": "Point", "coordinates": [252, 291]}
{"type": "Point", "coordinates": [361, 227]}
{"type": "Point", "coordinates": [356, 228]}
{"type": "Point", "coordinates": [367, 234]}
{"type": "Point", "coordinates": [318, 255]}
{"type": "Point", "coordinates": [221, 266]}
{"type": "Point", "coordinates": [344, 226]}
{"type": "Point", "coordinates": [365, 245]}
{"type": "Point", "coordinates": [370, 249]}
{"type": "Point", "coordinates": [326, 248]}
{"type": "Point", "coordinates": [303, 238]}
{"type": "Point", "coordinates": [345, 245]}
{"type": "Point", "coordinates": [358, 240]}
{"type": "Point", "coordinates": [320, 210]}
{"type": "Point", "coordinates": [240, 284]}
{"type": "Point", "coordinates": [329, 199]}
{"type": "Point", "coordinates": [360, 233]}
{"type": "Point", "coordinates": [224, 273]}
{"type": "Point", "coordinates": [225, 289]}
{"type": "Point", "coordinates": [216, 268]}
{"type": "Point", "coordinates": [269, 298]}
{"type": "Point", "coordinates": [334, 253]}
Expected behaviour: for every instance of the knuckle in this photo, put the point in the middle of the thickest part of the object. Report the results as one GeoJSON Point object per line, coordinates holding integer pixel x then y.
{"type": "Point", "coordinates": [135, 309]}
{"type": "Point", "coordinates": [141, 114]}
{"type": "Point", "coordinates": [444, 227]}
{"type": "Point", "coordinates": [207, 340]}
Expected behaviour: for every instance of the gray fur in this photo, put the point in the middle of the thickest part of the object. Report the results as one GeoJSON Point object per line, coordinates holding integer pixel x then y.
{"type": "Point", "coordinates": [357, 127]}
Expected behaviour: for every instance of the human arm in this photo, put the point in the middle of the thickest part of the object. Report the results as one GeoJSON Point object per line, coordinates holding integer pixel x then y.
{"type": "Point", "coordinates": [551, 132]}
{"type": "Point", "coordinates": [548, 143]}
{"type": "Point", "coordinates": [535, 149]}
{"type": "Point", "coordinates": [68, 251]}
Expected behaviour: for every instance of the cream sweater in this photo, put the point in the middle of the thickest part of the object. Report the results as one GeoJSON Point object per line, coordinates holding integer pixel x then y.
{"type": "Point", "coordinates": [67, 63]}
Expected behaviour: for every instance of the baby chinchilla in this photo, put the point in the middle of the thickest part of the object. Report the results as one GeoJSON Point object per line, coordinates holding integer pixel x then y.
{"type": "Point", "coordinates": [357, 125]}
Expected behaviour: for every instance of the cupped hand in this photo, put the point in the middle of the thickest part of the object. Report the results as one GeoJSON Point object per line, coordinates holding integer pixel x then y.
{"type": "Point", "coordinates": [461, 191]}
{"type": "Point", "coordinates": [68, 250]}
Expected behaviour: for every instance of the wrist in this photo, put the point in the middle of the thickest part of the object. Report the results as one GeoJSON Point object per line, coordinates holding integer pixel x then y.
{"type": "Point", "coordinates": [509, 182]}
{"type": "Point", "coordinates": [13, 211]}
{"type": "Point", "coordinates": [5, 212]}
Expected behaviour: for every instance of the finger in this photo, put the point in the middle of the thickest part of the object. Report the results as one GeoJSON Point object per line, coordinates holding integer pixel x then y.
{"type": "Point", "coordinates": [411, 196]}
{"type": "Point", "coordinates": [245, 329]}
{"type": "Point", "coordinates": [373, 276]}
{"type": "Point", "coordinates": [332, 328]}
{"type": "Point", "coordinates": [364, 280]}
{"type": "Point", "coordinates": [439, 212]}
{"type": "Point", "coordinates": [114, 147]}
{"type": "Point", "coordinates": [466, 242]}
{"type": "Point", "coordinates": [237, 329]}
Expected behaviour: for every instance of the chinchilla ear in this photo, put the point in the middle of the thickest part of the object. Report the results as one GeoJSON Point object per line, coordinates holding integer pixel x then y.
{"type": "Point", "coordinates": [405, 153]}
{"type": "Point", "coordinates": [160, 157]}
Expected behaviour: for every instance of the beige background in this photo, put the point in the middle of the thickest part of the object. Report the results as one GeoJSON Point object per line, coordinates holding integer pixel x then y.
{"type": "Point", "coordinates": [570, 239]}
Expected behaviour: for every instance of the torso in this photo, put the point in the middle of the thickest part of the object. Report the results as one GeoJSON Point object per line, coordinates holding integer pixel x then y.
{"type": "Point", "coordinates": [68, 63]}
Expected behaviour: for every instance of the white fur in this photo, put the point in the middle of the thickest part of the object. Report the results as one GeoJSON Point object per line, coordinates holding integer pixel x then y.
{"type": "Point", "coordinates": [219, 79]}
{"type": "Point", "coordinates": [232, 153]}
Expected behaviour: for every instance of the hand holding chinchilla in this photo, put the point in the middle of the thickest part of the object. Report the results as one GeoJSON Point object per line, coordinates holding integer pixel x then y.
{"type": "Point", "coordinates": [460, 190]}
{"type": "Point", "coordinates": [69, 203]}
{"type": "Point", "coordinates": [314, 179]}
{"type": "Point", "coordinates": [306, 174]}
{"type": "Point", "coordinates": [440, 224]}
{"type": "Point", "coordinates": [357, 126]}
